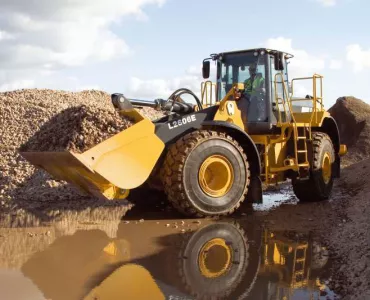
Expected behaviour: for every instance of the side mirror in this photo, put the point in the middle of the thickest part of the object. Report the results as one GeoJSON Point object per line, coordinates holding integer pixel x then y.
{"type": "Point", "coordinates": [279, 61]}
{"type": "Point", "coordinates": [206, 69]}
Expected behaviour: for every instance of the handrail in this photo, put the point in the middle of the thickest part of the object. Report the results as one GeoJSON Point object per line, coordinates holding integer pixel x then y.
{"type": "Point", "coordinates": [315, 98]}
{"type": "Point", "coordinates": [204, 91]}
{"type": "Point", "coordinates": [314, 87]}
{"type": "Point", "coordinates": [285, 92]}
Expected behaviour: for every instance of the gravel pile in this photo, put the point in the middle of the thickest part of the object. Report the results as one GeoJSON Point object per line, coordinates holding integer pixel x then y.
{"type": "Point", "coordinates": [353, 118]}
{"type": "Point", "coordinates": [76, 129]}
{"type": "Point", "coordinates": [34, 119]}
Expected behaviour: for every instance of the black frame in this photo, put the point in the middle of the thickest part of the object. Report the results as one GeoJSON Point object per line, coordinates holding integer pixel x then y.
{"type": "Point", "coordinates": [259, 127]}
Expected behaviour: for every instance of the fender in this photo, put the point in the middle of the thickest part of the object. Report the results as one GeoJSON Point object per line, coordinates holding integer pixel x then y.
{"type": "Point", "coordinates": [330, 127]}
{"type": "Point", "coordinates": [255, 191]}
{"type": "Point", "coordinates": [171, 130]}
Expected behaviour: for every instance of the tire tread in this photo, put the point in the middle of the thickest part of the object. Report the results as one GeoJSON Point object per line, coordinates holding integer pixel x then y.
{"type": "Point", "coordinates": [174, 165]}
{"type": "Point", "coordinates": [308, 190]}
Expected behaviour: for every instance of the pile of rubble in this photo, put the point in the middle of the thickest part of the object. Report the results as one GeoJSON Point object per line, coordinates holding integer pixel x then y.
{"type": "Point", "coordinates": [77, 129]}
{"type": "Point", "coordinates": [353, 118]}
{"type": "Point", "coordinates": [44, 119]}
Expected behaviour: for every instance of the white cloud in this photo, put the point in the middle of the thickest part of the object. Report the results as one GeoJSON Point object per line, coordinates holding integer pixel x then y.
{"type": "Point", "coordinates": [5, 35]}
{"type": "Point", "coordinates": [358, 57]}
{"type": "Point", "coordinates": [15, 85]}
{"type": "Point", "coordinates": [163, 88]}
{"type": "Point", "coordinates": [327, 3]}
{"type": "Point", "coordinates": [46, 35]}
{"type": "Point", "coordinates": [303, 63]}
{"type": "Point", "coordinates": [335, 64]}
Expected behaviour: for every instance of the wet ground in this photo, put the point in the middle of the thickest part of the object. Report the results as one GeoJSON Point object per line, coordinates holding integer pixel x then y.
{"type": "Point", "coordinates": [153, 253]}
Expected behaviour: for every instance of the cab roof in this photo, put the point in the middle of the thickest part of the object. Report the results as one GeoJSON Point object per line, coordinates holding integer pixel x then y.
{"type": "Point", "coordinates": [268, 50]}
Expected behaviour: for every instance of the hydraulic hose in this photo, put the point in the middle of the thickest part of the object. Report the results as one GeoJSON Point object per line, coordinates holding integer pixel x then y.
{"type": "Point", "coordinates": [185, 91]}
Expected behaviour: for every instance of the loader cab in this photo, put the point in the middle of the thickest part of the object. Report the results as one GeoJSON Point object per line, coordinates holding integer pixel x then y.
{"type": "Point", "coordinates": [263, 69]}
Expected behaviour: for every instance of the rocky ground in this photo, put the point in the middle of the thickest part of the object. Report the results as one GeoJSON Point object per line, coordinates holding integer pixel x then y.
{"type": "Point", "coordinates": [350, 235]}
{"type": "Point", "coordinates": [50, 120]}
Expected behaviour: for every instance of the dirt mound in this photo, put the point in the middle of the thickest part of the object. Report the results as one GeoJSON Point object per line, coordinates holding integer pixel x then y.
{"type": "Point", "coordinates": [49, 120]}
{"type": "Point", "coordinates": [353, 118]}
{"type": "Point", "coordinates": [77, 129]}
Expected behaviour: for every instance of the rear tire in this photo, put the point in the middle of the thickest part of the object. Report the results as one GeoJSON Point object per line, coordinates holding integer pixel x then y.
{"type": "Point", "coordinates": [206, 173]}
{"type": "Point", "coordinates": [319, 186]}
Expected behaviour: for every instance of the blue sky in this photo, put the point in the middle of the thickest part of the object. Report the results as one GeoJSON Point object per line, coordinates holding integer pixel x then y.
{"type": "Point", "coordinates": [148, 48]}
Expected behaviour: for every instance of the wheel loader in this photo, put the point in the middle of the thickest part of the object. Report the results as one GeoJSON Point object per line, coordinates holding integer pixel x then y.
{"type": "Point", "coordinates": [210, 155]}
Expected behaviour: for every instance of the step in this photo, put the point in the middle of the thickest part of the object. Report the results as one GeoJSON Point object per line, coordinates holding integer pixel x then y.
{"type": "Point", "coordinates": [302, 247]}
{"type": "Point", "coordinates": [285, 168]}
{"type": "Point", "coordinates": [298, 273]}
{"type": "Point", "coordinates": [305, 164]}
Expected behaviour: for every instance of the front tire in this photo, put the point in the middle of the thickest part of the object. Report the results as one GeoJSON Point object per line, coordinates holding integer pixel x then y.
{"type": "Point", "coordinates": [206, 174]}
{"type": "Point", "coordinates": [215, 260]}
{"type": "Point", "coordinates": [320, 184]}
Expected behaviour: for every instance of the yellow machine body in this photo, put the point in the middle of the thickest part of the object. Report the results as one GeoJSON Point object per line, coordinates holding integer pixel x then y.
{"type": "Point", "coordinates": [275, 160]}
{"type": "Point", "coordinates": [278, 147]}
{"type": "Point", "coordinates": [130, 281]}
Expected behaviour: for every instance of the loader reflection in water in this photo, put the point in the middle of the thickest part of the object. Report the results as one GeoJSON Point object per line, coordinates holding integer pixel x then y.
{"type": "Point", "coordinates": [220, 262]}
{"type": "Point", "coordinates": [214, 260]}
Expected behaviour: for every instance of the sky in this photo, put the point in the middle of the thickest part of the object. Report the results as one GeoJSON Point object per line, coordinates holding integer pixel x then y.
{"type": "Point", "coordinates": [148, 48]}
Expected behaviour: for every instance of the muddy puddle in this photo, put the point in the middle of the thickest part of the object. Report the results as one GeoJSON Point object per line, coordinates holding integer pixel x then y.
{"type": "Point", "coordinates": [99, 255]}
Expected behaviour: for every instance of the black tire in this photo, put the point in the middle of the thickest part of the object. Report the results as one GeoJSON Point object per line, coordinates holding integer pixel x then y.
{"type": "Point", "coordinates": [316, 188]}
{"type": "Point", "coordinates": [220, 287]}
{"type": "Point", "coordinates": [182, 164]}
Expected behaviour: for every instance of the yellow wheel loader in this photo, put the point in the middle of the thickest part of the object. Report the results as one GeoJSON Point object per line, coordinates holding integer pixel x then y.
{"type": "Point", "coordinates": [211, 155]}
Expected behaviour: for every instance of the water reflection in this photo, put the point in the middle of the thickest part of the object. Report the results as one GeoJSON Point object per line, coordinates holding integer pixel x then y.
{"type": "Point", "coordinates": [168, 259]}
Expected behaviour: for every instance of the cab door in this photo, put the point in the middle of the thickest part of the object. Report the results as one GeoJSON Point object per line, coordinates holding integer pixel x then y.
{"type": "Point", "coordinates": [279, 93]}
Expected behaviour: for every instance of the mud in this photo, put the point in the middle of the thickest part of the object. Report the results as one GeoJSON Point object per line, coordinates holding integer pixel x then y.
{"type": "Point", "coordinates": [342, 224]}
{"type": "Point", "coordinates": [156, 238]}
{"type": "Point", "coordinates": [99, 253]}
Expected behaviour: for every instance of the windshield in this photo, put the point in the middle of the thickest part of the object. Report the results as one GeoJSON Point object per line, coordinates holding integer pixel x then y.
{"type": "Point", "coordinates": [235, 69]}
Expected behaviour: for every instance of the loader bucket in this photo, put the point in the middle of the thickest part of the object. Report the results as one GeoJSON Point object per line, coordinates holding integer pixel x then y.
{"type": "Point", "coordinates": [111, 168]}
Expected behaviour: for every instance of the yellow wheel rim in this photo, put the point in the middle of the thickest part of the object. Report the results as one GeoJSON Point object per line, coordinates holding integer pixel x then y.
{"type": "Point", "coordinates": [214, 258]}
{"type": "Point", "coordinates": [326, 168]}
{"type": "Point", "coordinates": [216, 176]}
